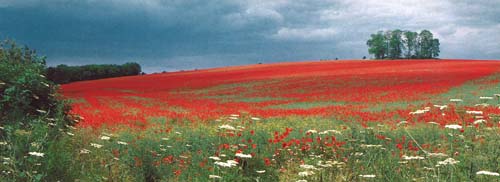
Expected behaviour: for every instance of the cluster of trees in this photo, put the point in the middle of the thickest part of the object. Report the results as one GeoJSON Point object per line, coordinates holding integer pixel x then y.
{"type": "Point", "coordinates": [65, 74]}
{"type": "Point", "coordinates": [396, 44]}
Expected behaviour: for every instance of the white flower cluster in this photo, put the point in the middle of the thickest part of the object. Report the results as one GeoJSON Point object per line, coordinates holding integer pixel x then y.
{"type": "Point", "coordinates": [241, 155]}
{"type": "Point", "coordinates": [449, 161]}
{"type": "Point", "coordinates": [489, 173]}
{"type": "Point", "coordinates": [228, 163]}
{"type": "Point", "coordinates": [227, 127]}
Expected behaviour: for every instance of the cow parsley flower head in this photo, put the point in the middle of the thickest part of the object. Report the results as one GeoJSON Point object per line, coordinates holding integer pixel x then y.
{"type": "Point", "coordinates": [95, 145]}
{"type": "Point", "coordinates": [449, 161]}
{"type": "Point", "coordinates": [453, 126]}
{"type": "Point", "coordinates": [368, 176]}
{"type": "Point", "coordinates": [105, 137]}
{"type": "Point", "coordinates": [306, 173]}
{"type": "Point", "coordinates": [38, 154]}
{"type": "Point", "coordinates": [489, 173]}
{"type": "Point", "coordinates": [227, 127]}
{"type": "Point", "coordinates": [241, 155]}
{"type": "Point", "coordinates": [214, 177]}
{"type": "Point", "coordinates": [214, 158]}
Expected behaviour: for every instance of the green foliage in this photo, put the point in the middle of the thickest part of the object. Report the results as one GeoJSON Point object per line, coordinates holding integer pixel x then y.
{"type": "Point", "coordinates": [66, 74]}
{"type": "Point", "coordinates": [32, 115]}
{"type": "Point", "coordinates": [377, 45]}
{"type": "Point", "coordinates": [395, 44]}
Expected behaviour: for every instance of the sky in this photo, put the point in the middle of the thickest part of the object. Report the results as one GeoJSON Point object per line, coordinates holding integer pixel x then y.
{"type": "Point", "coordinates": [170, 35]}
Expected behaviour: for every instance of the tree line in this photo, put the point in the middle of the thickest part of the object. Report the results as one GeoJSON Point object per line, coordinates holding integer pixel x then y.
{"type": "Point", "coordinates": [65, 74]}
{"type": "Point", "coordinates": [396, 44]}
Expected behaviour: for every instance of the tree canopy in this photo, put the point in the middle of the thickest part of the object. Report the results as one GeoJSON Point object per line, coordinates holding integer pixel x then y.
{"type": "Point", "coordinates": [396, 44]}
{"type": "Point", "coordinates": [65, 74]}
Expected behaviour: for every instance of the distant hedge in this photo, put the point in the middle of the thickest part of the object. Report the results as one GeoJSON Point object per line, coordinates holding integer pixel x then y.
{"type": "Point", "coordinates": [65, 74]}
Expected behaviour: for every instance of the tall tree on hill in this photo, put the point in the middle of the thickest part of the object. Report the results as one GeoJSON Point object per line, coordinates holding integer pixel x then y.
{"type": "Point", "coordinates": [410, 43]}
{"type": "Point", "coordinates": [377, 45]}
{"type": "Point", "coordinates": [395, 44]}
{"type": "Point", "coordinates": [425, 44]}
{"type": "Point", "coordinates": [435, 48]}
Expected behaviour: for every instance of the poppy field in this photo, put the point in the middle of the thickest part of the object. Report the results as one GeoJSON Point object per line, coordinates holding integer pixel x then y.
{"type": "Point", "coordinates": [398, 120]}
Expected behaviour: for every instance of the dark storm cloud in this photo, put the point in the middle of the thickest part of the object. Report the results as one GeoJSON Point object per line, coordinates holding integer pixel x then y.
{"type": "Point", "coordinates": [188, 34]}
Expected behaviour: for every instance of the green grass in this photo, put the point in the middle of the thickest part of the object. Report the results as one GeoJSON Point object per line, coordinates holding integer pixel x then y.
{"type": "Point", "coordinates": [305, 105]}
{"type": "Point", "coordinates": [153, 154]}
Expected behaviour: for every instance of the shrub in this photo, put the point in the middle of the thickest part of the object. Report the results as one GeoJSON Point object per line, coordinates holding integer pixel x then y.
{"type": "Point", "coordinates": [32, 115]}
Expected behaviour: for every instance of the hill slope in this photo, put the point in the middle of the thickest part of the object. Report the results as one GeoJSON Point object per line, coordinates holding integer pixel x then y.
{"type": "Point", "coordinates": [365, 90]}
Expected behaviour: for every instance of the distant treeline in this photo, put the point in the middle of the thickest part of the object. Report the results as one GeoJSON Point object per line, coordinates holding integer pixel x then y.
{"type": "Point", "coordinates": [396, 44]}
{"type": "Point", "coordinates": [65, 74]}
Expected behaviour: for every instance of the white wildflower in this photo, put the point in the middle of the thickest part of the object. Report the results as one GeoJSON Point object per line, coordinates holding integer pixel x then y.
{"type": "Point", "coordinates": [329, 131]}
{"type": "Point", "coordinates": [165, 139]}
{"type": "Point", "coordinates": [233, 118]}
{"type": "Point", "coordinates": [214, 177]}
{"type": "Point", "coordinates": [485, 98]}
{"type": "Point", "coordinates": [482, 105]}
{"type": "Point", "coordinates": [105, 137]}
{"type": "Point", "coordinates": [370, 146]}
{"type": "Point", "coordinates": [302, 180]}
{"type": "Point", "coordinates": [453, 126]}
{"type": "Point", "coordinates": [358, 154]}
{"type": "Point", "coordinates": [95, 145]}
{"type": "Point", "coordinates": [306, 173]}
{"type": "Point", "coordinates": [261, 171]}
{"type": "Point", "coordinates": [328, 164]}
{"type": "Point", "coordinates": [487, 173]}
{"type": "Point", "coordinates": [214, 158]}
{"type": "Point", "coordinates": [474, 112]}
{"type": "Point", "coordinates": [235, 115]}
{"type": "Point", "coordinates": [38, 154]}
{"type": "Point", "coordinates": [179, 133]}
{"type": "Point", "coordinates": [3, 143]}
{"type": "Point", "coordinates": [227, 127]}
{"type": "Point", "coordinates": [418, 112]}
{"type": "Point", "coordinates": [122, 143]}
{"type": "Point", "coordinates": [306, 166]}
{"type": "Point", "coordinates": [255, 119]}
{"type": "Point", "coordinates": [70, 134]}
{"type": "Point", "coordinates": [413, 157]}
{"type": "Point", "coordinates": [456, 100]}
{"type": "Point", "coordinates": [84, 151]}
{"type": "Point", "coordinates": [432, 122]}
{"type": "Point", "coordinates": [41, 111]}
{"type": "Point", "coordinates": [241, 155]}
{"type": "Point", "coordinates": [449, 161]}
{"type": "Point", "coordinates": [479, 121]}
{"type": "Point", "coordinates": [441, 107]}
{"type": "Point", "coordinates": [228, 163]}
{"type": "Point", "coordinates": [367, 176]}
